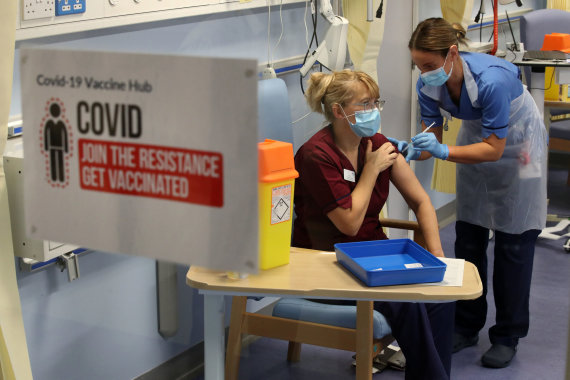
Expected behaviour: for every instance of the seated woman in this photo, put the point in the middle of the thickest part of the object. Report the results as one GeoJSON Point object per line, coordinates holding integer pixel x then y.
{"type": "Point", "coordinates": [344, 173]}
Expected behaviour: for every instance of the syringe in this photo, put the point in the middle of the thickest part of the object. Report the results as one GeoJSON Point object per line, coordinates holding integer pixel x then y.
{"type": "Point", "coordinates": [406, 148]}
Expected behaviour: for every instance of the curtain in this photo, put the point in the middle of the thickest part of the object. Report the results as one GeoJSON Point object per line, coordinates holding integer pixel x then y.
{"type": "Point", "coordinates": [558, 4]}
{"type": "Point", "coordinates": [443, 177]}
{"type": "Point", "coordinates": [457, 11]}
{"type": "Point", "coordinates": [364, 37]}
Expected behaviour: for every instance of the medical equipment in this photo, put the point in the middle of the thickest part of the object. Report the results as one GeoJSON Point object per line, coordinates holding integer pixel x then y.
{"type": "Point", "coordinates": [39, 250]}
{"type": "Point", "coordinates": [425, 130]}
{"type": "Point", "coordinates": [331, 53]}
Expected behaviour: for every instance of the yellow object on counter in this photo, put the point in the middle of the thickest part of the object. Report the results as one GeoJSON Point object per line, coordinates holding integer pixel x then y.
{"type": "Point", "coordinates": [276, 188]}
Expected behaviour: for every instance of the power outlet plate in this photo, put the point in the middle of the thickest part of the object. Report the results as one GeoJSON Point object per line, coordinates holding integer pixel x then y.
{"type": "Point", "coordinates": [268, 73]}
{"type": "Point", "coordinates": [34, 9]}
{"type": "Point", "coordinates": [69, 7]}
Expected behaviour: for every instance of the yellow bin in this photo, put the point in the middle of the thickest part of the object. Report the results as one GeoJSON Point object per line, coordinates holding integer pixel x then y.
{"type": "Point", "coordinates": [276, 188]}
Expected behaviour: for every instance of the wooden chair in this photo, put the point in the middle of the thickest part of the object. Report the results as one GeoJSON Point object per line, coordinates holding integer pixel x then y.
{"type": "Point", "coordinates": [559, 130]}
{"type": "Point", "coordinates": [298, 331]}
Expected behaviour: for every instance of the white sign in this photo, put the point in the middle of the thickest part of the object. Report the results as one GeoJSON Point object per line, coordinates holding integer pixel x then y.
{"type": "Point", "coordinates": [149, 155]}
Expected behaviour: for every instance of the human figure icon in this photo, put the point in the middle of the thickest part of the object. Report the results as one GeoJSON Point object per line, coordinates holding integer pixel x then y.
{"type": "Point", "coordinates": [55, 142]}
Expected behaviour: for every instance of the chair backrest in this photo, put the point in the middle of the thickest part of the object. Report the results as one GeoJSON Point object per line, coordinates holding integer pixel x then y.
{"type": "Point", "coordinates": [274, 111]}
{"type": "Point", "coordinates": [536, 24]}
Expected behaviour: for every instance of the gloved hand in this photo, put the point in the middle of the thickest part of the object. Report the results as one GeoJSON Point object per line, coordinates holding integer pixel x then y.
{"type": "Point", "coordinates": [405, 148]}
{"type": "Point", "coordinates": [428, 142]}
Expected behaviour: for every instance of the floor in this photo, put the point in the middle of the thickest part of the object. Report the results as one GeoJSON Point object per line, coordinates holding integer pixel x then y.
{"type": "Point", "coordinates": [541, 355]}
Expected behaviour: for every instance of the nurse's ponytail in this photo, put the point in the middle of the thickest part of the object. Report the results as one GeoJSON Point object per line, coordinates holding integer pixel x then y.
{"type": "Point", "coordinates": [460, 33]}
{"type": "Point", "coordinates": [325, 90]}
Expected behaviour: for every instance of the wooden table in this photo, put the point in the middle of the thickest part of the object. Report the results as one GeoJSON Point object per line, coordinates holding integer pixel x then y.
{"type": "Point", "coordinates": [310, 274]}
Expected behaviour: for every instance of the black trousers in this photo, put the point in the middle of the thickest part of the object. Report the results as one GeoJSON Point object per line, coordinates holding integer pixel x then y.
{"type": "Point", "coordinates": [512, 273]}
{"type": "Point", "coordinates": [424, 332]}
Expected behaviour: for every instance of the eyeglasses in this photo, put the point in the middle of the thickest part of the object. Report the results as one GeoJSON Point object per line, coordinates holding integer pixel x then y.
{"type": "Point", "coordinates": [370, 105]}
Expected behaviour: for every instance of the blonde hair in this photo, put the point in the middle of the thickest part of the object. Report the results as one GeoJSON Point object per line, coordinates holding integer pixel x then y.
{"type": "Point", "coordinates": [325, 90]}
{"type": "Point", "coordinates": [437, 35]}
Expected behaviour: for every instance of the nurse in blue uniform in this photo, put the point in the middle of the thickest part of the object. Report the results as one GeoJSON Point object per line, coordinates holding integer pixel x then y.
{"type": "Point", "coordinates": [501, 175]}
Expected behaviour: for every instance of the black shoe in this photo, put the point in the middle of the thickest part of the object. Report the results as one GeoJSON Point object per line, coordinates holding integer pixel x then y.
{"type": "Point", "coordinates": [461, 341]}
{"type": "Point", "coordinates": [498, 356]}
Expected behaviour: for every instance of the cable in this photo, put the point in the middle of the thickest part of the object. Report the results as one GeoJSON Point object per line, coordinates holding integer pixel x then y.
{"type": "Point", "coordinates": [481, 30]}
{"type": "Point", "coordinates": [511, 29]}
{"type": "Point", "coordinates": [301, 118]}
{"type": "Point", "coordinates": [479, 12]}
{"type": "Point", "coordinates": [313, 38]}
{"type": "Point", "coordinates": [315, 18]}
{"type": "Point", "coordinates": [268, 33]}
{"type": "Point", "coordinates": [547, 88]}
{"type": "Point", "coordinates": [281, 35]}
{"type": "Point", "coordinates": [306, 27]}
{"type": "Point", "coordinates": [479, 16]}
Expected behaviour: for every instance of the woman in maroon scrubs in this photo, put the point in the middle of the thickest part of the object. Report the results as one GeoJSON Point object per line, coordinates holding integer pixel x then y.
{"type": "Point", "coordinates": [344, 173]}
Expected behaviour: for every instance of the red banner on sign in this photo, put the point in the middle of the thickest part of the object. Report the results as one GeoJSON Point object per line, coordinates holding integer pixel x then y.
{"type": "Point", "coordinates": [176, 174]}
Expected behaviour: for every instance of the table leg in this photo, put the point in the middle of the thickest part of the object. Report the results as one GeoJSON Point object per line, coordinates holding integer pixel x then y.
{"type": "Point", "coordinates": [233, 350]}
{"type": "Point", "coordinates": [214, 347]}
{"type": "Point", "coordinates": [364, 332]}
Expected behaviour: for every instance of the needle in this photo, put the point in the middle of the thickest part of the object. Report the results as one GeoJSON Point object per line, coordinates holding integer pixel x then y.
{"type": "Point", "coordinates": [425, 130]}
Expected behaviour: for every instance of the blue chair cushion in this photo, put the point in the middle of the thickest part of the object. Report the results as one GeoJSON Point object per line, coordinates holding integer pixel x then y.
{"type": "Point", "coordinates": [560, 129]}
{"type": "Point", "coordinates": [335, 315]}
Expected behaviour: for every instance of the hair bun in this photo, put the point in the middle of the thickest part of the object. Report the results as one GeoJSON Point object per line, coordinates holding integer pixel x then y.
{"type": "Point", "coordinates": [460, 31]}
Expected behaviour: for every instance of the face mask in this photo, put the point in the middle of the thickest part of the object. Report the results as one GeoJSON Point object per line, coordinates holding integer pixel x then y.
{"type": "Point", "coordinates": [367, 123]}
{"type": "Point", "coordinates": [437, 77]}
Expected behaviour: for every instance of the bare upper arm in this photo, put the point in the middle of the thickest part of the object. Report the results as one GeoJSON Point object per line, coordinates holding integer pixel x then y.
{"type": "Point", "coordinates": [405, 180]}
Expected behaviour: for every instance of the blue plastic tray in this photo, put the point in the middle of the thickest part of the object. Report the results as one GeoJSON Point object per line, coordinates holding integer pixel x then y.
{"type": "Point", "coordinates": [390, 262]}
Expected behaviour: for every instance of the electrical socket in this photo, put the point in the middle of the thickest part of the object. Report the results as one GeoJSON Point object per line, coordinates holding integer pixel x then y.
{"type": "Point", "coordinates": [34, 9]}
{"type": "Point", "coordinates": [268, 73]}
{"type": "Point", "coordinates": [69, 7]}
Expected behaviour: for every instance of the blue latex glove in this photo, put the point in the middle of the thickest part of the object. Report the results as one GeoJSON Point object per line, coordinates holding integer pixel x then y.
{"type": "Point", "coordinates": [428, 142]}
{"type": "Point", "coordinates": [410, 152]}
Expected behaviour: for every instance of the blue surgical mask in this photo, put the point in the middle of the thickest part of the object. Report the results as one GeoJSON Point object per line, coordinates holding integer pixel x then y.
{"type": "Point", "coordinates": [438, 76]}
{"type": "Point", "coordinates": [367, 123]}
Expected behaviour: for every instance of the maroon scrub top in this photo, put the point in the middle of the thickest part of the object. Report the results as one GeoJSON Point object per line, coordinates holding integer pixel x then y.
{"type": "Point", "coordinates": [321, 187]}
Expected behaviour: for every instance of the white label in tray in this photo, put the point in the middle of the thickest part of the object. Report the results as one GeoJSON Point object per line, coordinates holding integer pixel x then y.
{"type": "Point", "coordinates": [413, 265]}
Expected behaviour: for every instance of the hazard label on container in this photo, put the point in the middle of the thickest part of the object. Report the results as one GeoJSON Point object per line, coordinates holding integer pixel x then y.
{"type": "Point", "coordinates": [280, 204]}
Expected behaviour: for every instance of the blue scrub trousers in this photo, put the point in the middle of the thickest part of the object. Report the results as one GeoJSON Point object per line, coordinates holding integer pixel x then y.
{"type": "Point", "coordinates": [425, 334]}
{"type": "Point", "coordinates": [512, 273]}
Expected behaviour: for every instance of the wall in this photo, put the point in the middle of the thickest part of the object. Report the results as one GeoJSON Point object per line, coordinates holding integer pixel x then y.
{"type": "Point", "coordinates": [394, 65]}
{"type": "Point", "coordinates": [104, 325]}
